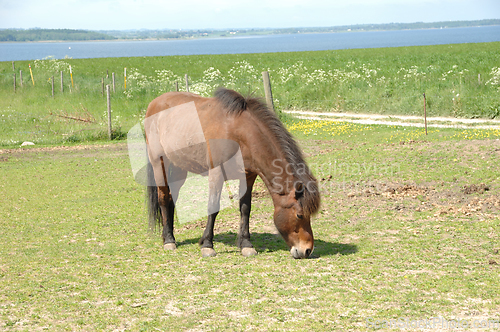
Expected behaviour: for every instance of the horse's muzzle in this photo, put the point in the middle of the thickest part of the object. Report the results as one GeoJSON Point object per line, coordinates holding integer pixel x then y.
{"type": "Point", "coordinates": [298, 253]}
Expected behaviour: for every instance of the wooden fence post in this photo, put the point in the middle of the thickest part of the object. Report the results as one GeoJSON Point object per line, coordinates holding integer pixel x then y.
{"type": "Point", "coordinates": [102, 83]}
{"type": "Point", "coordinates": [21, 78]}
{"type": "Point", "coordinates": [113, 74]}
{"type": "Point", "coordinates": [267, 90]}
{"type": "Point", "coordinates": [425, 114]}
{"type": "Point", "coordinates": [108, 92]}
{"type": "Point", "coordinates": [71, 74]}
{"type": "Point", "coordinates": [14, 82]}
{"type": "Point", "coordinates": [13, 66]}
{"type": "Point", "coordinates": [62, 82]}
{"type": "Point", "coordinates": [31, 73]}
{"type": "Point", "coordinates": [187, 82]}
{"type": "Point", "coordinates": [52, 81]}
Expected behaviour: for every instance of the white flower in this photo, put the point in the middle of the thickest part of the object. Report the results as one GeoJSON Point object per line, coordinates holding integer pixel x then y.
{"type": "Point", "coordinates": [495, 76]}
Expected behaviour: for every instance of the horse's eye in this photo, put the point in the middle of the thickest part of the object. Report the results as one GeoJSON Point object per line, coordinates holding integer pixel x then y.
{"type": "Point", "coordinates": [300, 216]}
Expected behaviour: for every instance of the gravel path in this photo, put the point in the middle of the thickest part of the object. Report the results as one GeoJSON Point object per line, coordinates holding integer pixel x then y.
{"type": "Point", "coordinates": [399, 120]}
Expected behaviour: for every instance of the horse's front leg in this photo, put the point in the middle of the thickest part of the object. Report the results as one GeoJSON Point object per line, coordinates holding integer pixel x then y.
{"type": "Point", "coordinates": [244, 243]}
{"type": "Point", "coordinates": [216, 182]}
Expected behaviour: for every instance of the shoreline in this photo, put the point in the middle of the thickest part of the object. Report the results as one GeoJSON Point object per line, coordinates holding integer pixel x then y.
{"type": "Point", "coordinates": [247, 44]}
{"type": "Point", "coordinates": [234, 35]}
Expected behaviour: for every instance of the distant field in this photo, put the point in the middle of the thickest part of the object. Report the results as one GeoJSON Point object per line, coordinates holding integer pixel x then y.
{"type": "Point", "coordinates": [459, 81]}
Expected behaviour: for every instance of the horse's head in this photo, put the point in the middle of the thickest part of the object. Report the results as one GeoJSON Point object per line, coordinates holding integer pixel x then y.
{"type": "Point", "coordinates": [293, 223]}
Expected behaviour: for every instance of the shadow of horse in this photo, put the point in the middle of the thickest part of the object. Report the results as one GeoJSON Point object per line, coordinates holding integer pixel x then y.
{"type": "Point", "coordinates": [269, 242]}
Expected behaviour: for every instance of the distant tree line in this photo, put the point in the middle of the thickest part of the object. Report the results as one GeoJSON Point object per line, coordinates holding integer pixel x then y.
{"type": "Point", "coordinates": [67, 34]}
{"type": "Point", "coordinates": [11, 35]}
{"type": "Point", "coordinates": [392, 26]}
{"type": "Point", "coordinates": [159, 34]}
{"type": "Point", "coordinates": [179, 34]}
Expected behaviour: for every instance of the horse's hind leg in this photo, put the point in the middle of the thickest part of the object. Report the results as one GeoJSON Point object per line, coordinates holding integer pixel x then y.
{"type": "Point", "coordinates": [169, 194]}
{"type": "Point", "coordinates": [167, 211]}
{"type": "Point", "coordinates": [244, 243]}
{"type": "Point", "coordinates": [166, 202]}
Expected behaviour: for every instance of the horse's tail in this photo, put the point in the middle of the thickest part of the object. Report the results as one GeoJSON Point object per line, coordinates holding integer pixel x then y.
{"type": "Point", "coordinates": [153, 206]}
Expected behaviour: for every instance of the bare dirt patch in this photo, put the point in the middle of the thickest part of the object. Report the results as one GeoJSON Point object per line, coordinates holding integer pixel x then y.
{"type": "Point", "coordinates": [475, 188]}
{"type": "Point", "coordinates": [467, 201]}
{"type": "Point", "coordinates": [61, 148]}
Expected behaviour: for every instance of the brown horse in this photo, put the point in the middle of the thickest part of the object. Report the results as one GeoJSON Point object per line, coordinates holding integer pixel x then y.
{"type": "Point", "coordinates": [182, 133]}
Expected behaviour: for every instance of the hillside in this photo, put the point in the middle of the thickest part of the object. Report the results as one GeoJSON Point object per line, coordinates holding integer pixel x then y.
{"type": "Point", "coordinates": [20, 35]}
{"type": "Point", "coordinates": [11, 35]}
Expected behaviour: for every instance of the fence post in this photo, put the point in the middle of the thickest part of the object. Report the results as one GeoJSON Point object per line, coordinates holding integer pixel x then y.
{"type": "Point", "coordinates": [31, 73]}
{"type": "Point", "coordinates": [71, 74]}
{"type": "Point", "coordinates": [102, 83]}
{"type": "Point", "coordinates": [113, 74]}
{"type": "Point", "coordinates": [425, 114]}
{"type": "Point", "coordinates": [62, 82]}
{"type": "Point", "coordinates": [14, 82]}
{"type": "Point", "coordinates": [52, 81]}
{"type": "Point", "coordinates": [13, 66]}
{"type": "Point", "coordinates": [267, 90]}
{"type": "Point", "coordinates": [108, 92]}
{"type": "Point", "coordinates": [187, 82]}
{"type": "Point", "coordinates": [21, 78]}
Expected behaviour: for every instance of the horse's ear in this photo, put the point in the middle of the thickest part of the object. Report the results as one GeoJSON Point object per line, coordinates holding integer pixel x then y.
{"type": "Point", "coordinates": [299, 190]}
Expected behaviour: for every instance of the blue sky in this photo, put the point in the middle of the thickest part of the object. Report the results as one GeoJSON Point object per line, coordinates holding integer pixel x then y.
{"type": "Point", "coordinates": [221, 14]}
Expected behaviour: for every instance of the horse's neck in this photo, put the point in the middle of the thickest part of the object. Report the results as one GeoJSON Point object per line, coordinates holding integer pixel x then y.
{"type": "Point", "coordinates": [280, 175]}
{"type": "Point", "coordinates": [271, 165]}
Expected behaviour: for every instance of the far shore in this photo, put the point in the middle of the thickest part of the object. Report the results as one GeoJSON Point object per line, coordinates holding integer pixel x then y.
{"type": "Point", "coordinates": [236, 35]}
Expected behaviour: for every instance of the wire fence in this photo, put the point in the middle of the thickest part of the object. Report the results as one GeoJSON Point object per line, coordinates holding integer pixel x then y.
{"type": "Point", "coordinates": [354, 88]}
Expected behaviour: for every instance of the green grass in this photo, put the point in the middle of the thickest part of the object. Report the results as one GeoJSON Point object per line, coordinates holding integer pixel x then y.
{"type": "Point", "coordinates": [397, 235]}
{"type": "Point", "coordinates": [385, 81]}
{"type": "Point", "coordinates": [76, 254]}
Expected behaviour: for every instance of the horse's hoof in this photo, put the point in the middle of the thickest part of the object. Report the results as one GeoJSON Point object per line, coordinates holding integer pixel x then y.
{"type": "Point", "coordinates": [248, 252]}
{"type": "Point", "coordinates": [169, 246]}
{"type": "Point", "coordinates": [208, 252]}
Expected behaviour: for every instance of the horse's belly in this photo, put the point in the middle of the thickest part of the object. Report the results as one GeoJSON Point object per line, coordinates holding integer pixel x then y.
{"type": "Point", "coordinates": [192, 158]}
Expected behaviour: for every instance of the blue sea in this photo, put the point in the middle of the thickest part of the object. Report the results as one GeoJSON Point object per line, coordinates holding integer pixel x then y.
{"type": "Point", "coordinates": [253, 44]}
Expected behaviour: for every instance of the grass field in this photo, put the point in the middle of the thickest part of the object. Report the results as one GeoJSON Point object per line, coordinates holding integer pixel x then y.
{"type": "Point", "coordinates": [381, 81]}
{"type": "Point", "coordinates": [407, 233]}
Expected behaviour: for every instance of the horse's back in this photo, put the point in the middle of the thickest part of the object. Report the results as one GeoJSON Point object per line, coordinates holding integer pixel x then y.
{"type": "Point", "coordinates": [172, 99]}
{"type": "Point", "coordinates": [210, 112]}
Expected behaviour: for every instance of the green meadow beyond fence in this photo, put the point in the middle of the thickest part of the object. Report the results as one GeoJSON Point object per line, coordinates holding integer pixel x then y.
{"type": "Point", "coordinates": [460, 80]}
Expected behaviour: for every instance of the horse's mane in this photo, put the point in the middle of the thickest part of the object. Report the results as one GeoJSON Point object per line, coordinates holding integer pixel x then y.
{"type": "Point", "coordinates": [235, 103]}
